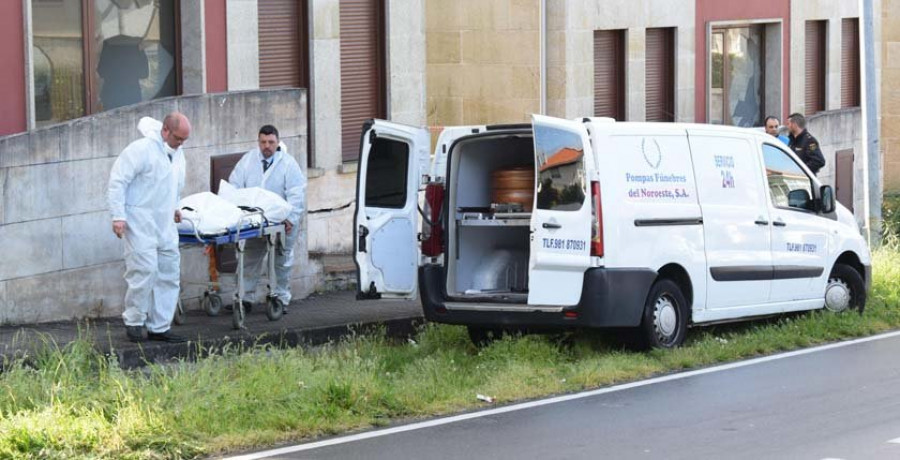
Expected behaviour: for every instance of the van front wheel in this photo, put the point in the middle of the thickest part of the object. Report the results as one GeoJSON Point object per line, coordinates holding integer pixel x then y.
{"type": "Point", "coordinates": [664, 324]}
{"type": "Point", "coordinates": [845, 289]}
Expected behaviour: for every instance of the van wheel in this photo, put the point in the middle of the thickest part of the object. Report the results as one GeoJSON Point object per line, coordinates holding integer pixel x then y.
{"type": "Point", "coordinates": [484, 336]}
{"type": "Point", "coordinates": [664, 324]}
{"type": "Point", "coordinates": [845, 289]}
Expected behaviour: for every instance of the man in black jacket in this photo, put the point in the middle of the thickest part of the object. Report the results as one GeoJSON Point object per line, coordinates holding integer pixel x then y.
{"type": "Point", "coordinates": [804, 144]}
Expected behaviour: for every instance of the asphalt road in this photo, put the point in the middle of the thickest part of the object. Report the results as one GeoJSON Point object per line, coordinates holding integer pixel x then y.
{"type": "Point", "coordinates": [842, 402]}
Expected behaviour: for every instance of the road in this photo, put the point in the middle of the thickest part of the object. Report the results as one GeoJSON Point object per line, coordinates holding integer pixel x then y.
{"type": "Point", "coordinates": [834, 402]}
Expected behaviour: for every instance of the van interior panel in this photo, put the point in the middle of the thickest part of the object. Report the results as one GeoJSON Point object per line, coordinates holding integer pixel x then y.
{"type": "Point", "coordinates": [489, 242]}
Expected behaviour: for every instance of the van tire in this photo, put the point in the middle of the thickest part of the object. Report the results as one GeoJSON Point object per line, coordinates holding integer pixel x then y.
{"type": "Point", "coordinates": [845, 280]}
{"type": "Point", "coordinates": [484, 336]}
{"type": "Point", "coordinates": [665, 319]}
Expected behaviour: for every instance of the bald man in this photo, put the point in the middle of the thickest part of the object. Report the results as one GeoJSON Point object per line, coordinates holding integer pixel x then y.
{"type": "Point", "coordinates": [144, 188]}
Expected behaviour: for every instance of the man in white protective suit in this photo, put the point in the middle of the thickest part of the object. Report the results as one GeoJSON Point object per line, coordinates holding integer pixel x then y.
{"type": "Point", "coordinates": [144, 187]}
{"type": "Point", "coordinates": [270, 166]}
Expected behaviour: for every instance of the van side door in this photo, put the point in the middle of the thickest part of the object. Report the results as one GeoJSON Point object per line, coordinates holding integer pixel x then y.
{"type": "Point", "coordinates": [561, 215]}
{"type": "Point", "coordinates": [392, 161]}
{"type": "Point", "coordinates": [736, 223]}
{"type": "Point", "coordinates": [799, 233]}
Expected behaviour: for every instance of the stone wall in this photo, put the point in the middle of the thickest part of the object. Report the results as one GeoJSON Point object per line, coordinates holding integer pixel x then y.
{"type": "Point", "coordinates": [62, 260]}
{"type": "Point", "coordinates": [841, 130]}
{"type": "Point", "coordinates": [570, 77]}
{"type": "Point", "coordinates": [814, 10]}
{"type": "Point", "coordinates": [483, 61]}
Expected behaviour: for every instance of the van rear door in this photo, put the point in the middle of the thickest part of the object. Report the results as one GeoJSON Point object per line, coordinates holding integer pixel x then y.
{"type": "Point", "coordinates": [392, 161]}
{"type": "Point", "coordinates": [561, 215]}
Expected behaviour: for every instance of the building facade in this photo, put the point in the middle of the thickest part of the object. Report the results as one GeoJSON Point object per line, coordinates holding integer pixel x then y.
{"type": "Point", "coordinates": [78, 74]}
{"type": "Point", "coordinates": [704, 61]}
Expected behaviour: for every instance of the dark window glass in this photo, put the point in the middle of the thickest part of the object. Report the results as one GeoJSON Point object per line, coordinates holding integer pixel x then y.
{"type": "Point", "coordinates": [560, 154]}
{"type": "Point", "coordinates": [129, 49]}
{"type": "Point", "coordinates": [386, 174]}
{"type": "Point", "coordinates": [736, 91]}
{"type": "Point", "coordinates": [790, 187]}
{"type": "Point", "coordinates": [134, 44]}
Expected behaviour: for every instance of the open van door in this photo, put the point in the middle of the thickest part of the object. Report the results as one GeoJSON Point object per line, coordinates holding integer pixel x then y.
{"type": "Point", "coordinates": [561, 215]}
{"type": "Point", "coordinates": [392, 161]}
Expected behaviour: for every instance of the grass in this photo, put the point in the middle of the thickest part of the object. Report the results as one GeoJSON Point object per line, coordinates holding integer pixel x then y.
{"type": "Point", "coordinates": [75, 403]}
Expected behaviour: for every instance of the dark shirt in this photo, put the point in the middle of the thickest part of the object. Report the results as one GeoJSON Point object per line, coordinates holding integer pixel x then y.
{"type": "Point", "coordinates": [807, 148]}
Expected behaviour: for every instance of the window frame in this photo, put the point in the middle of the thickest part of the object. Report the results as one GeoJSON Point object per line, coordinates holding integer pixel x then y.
{"type": "Point", "coordinates": [812, 183]}
{"type": "Point", "coordinates": [90, 82]}
{"type": "Point", "coordinates": [779, 91]}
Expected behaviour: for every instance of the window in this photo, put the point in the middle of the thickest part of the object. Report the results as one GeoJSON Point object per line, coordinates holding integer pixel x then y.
{"type": "Point", "coordinates": [815, 66]}
{"type": "Point", "coordinates": [789, 186]}
{"type": "Point", "coordinates": [282, 44]}
{"type": "Point", "coordinates": [386, 174]}
{"type": "Point", "coordinates": [609, 74]}
{"type": "Point", "coordinates": [561, 183]}
{"type": "Point", "coordinates": [660, 77]}
{"type": "Point", "coordinates": [850, 81]}
{"type": "Point", "coordinates": [736, 87]}
{"type": "Point", "coordinates": [91, 56]}
{"type": "Point", "coordinates": [363, 87]}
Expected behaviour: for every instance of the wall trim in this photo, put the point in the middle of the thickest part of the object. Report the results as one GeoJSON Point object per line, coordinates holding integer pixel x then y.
{"type": "Point", "coordinates": [29, 66]}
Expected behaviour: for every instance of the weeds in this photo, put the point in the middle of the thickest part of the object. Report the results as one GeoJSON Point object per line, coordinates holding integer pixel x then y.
{"type": "Point", "coordinates": [71, 401]}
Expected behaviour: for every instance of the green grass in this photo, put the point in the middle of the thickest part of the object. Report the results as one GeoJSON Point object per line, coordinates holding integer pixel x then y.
{"type": "Point", "coordinates": [73, 402]}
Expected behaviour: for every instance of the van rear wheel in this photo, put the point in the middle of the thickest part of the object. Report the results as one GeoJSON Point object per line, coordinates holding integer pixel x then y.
{"type": "Point", "coordinates": [484, 336]}
{"type": "Point", "coordinates": [845, 289]}
{"type": "Point", "coordinates": [664, 324]}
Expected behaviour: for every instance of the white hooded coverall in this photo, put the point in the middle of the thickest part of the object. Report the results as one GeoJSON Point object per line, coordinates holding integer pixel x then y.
{"type": "Point", "coordinates": [144, 189]}
{"type": "Point", "coordinates": [284, 178]}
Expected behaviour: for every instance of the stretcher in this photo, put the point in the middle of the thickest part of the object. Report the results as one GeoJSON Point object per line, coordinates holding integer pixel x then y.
{"type": "Point", "coordinates": [252, 225]}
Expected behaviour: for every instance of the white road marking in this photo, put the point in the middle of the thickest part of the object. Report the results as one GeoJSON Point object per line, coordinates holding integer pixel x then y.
{"type": "Point", "coordinates": [555, 400]}
{"type": "Point", "coordinates": [894, 441]}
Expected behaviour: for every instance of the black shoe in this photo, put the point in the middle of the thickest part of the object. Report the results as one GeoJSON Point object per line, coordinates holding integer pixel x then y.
{"type": "Point", "coordinates": [135, 333]}
{"type": "Point", "coordinates": [167, 336]}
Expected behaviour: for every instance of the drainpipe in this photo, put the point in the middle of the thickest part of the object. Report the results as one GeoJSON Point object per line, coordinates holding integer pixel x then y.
{"type": "Point", "coordinates": [873, 181]}
{"type": "Point", "coordinates": [543, 38]}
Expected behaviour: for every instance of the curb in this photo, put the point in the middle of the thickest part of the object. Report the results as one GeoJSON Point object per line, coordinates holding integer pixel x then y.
{"type": "Point", "coordinates": [142, 354]}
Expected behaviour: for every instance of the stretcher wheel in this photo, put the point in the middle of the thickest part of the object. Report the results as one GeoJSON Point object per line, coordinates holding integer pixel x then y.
{"type": "Point", "coordinates": [179, 313]}
{"type": "Point", "coordinates": [237, 315]}
{"type": "Point", "coordinates": [274, 308]}
{"type": "Point", "coordinates": [212, 304]}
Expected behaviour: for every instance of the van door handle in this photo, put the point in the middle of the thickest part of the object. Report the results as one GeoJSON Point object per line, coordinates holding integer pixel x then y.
{"type": "Point", "coordinates": [761, 222]}
{"type": "Point", "coordinates": [551, 225]}
{"type": "Point", "coordinates": [779, 223]}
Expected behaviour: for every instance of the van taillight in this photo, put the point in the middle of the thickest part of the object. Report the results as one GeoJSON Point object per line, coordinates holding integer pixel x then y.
{"type": "Point", "coordinates": [433, 235]}
{"type": "Point", "coordinates": [597, 221]}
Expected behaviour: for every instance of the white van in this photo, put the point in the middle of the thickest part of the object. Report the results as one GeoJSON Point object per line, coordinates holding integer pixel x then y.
{"type": "Point", "coordinates": [650, 226]}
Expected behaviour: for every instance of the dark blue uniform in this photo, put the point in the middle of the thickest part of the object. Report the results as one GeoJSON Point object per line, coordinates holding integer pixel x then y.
{"type": "Point", "coordinates": [807, 148]}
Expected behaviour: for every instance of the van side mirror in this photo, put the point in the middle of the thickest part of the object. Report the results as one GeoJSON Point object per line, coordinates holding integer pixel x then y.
{"type": "Point", "coordinates": [799, 198]}
{"type": "Point", "coordinates": [826, 205]}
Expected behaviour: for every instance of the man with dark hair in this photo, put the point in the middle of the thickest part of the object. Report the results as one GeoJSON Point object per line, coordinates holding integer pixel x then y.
{"type": "Point", "coordinates": [270, 166]}
{"type": "Point", "coordinates": [804, 144]}
{"type": "Point", "coordinates": [772, 125]}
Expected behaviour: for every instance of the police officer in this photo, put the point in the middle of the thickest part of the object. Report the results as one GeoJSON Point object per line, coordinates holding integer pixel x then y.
{"type": "Point", "coordinates": [804, 144]}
